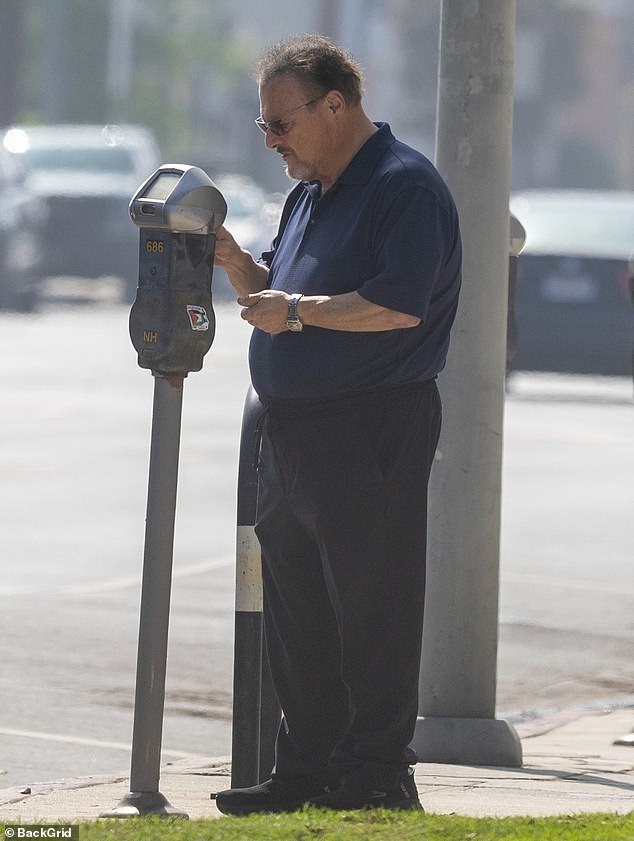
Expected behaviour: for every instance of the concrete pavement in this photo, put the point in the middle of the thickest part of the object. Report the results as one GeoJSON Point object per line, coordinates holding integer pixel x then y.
{"type": "Point", "coordinates": [570, 766]}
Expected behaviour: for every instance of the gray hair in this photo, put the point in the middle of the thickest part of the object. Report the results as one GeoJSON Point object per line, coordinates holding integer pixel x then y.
{"type": "Point", "coordinates": [316, 62]}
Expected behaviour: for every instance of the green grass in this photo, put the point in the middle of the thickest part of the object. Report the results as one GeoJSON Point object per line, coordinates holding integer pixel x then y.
{"type": "Point", "coordinates": [313, 825]}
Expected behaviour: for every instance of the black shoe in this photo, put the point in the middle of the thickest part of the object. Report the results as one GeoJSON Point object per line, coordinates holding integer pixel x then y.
{"type": "Point", "coordinates": [274, 795]}
{"type": "Point", "coordinates": [354, 795]}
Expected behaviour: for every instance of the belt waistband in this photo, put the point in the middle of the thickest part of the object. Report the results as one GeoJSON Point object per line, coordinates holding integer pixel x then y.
{"type": "Point", "coordinates": [303, 405]}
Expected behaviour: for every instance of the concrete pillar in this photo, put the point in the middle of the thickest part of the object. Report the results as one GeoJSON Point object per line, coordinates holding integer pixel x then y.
{"type": "Point", "coordinates": [473, 152]}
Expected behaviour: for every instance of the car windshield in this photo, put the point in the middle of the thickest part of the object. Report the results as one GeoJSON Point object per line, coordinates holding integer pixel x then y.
{"type": "Point", "coordinates": [104, 159]}
{"type": "Point", "coordinates": [577, 228]}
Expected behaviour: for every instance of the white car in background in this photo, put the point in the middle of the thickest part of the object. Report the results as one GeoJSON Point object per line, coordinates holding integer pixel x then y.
{"type": "Point", "coordinates": [85, 175]}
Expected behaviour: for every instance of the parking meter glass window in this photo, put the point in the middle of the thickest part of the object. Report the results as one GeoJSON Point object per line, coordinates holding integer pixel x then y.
{"type": "Point", "coordinates": [162, 186]}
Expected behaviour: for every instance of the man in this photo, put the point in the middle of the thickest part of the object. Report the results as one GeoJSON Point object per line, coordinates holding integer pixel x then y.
{"type": "Point", "coordinates": [352, 309]}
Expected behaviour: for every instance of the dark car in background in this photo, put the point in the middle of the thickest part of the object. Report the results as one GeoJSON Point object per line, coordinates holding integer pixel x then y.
{"type": "Point", "coordinates": [21, 221]}
{"type": "Point", "coordinates": [85, 176]}
{"type": "Point", "coordinates": [572, 303]}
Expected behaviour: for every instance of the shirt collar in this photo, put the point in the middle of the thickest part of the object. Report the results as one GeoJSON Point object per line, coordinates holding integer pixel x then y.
{"type": "Point", "coordinates": [361, 167]}
{"type": "Point", "coordinates": [313, 188]}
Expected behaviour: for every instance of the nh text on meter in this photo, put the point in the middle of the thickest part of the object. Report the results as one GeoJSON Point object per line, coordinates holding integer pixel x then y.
{"type": "Point", "coordinates": [172, 323]}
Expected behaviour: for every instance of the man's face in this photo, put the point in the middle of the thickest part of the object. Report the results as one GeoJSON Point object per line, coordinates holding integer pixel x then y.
{"type": "Point", "coordinates": [306, 139]}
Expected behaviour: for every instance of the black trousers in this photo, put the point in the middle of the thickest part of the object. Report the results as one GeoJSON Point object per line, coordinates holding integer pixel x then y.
{"type": "Point", "coordinates": [342, 524]}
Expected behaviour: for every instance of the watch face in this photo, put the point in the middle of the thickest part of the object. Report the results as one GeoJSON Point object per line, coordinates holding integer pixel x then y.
{"type": "Point", "coordinates": [294, 325]}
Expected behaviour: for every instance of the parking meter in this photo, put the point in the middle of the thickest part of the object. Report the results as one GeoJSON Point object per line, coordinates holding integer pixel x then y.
{"type": "Point", "coordinates": [172, 322]}
{"type": "Point", "coordinates": [517, 240]}
{"type": "Point", "coordinates": [172, 325]}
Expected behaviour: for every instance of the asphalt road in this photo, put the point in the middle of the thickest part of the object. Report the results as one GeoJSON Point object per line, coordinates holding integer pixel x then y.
{"type": "Point", "coordinates": [567, 544]}
{"type": "Point", "coordinates": [76, 417]}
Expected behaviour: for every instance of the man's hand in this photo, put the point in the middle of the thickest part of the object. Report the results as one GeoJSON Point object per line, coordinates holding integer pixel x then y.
{"type": "Point", "coordinates": [227, 249]}
{"type": "Point", "coordinates": [245, 275]}
{"type": "Point", "coordinates": [266, 310]}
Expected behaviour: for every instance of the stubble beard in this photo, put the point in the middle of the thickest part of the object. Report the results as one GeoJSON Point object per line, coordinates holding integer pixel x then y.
{"type": "Point", "coordinates": [298, 171]}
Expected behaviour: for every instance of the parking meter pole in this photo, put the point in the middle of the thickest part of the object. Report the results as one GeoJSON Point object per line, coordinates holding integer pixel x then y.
{"type": "Point", "coordinates": [256, 712]}
{"type": "Point", "coordinates": [144, 797]}
{"type": "Point", "coordinates": [172, 326]}
{"type": "Point", "coordinates": [157, 584]}
{"type": "Point", "coordinates": [473, 152]}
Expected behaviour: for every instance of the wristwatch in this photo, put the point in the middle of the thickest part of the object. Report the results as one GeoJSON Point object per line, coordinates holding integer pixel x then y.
{"type": "Point", "coordinates": [292, 319]}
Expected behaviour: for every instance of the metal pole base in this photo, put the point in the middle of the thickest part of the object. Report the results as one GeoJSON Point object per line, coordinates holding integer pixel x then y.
{"type": "Point", "coordinates": [467, 741]}
{"type": "Point", "coordinates": [138, 804]}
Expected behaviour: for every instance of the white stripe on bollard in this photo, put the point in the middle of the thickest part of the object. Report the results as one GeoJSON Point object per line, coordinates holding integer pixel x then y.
{"type": "Point", "coordinates": [248, 571]}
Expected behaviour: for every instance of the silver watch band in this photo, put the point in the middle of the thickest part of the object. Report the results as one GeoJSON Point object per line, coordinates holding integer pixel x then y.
{"type": "Point", "coordinates": [292, 319]}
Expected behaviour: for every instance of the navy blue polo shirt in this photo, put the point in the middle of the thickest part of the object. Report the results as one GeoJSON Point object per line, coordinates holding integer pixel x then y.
{"type": "Point", "coordinates": [388, 228]}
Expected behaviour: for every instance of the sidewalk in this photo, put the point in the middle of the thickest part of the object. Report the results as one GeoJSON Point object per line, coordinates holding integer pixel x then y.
{"type": "Point", "coordinates": [570, 766]}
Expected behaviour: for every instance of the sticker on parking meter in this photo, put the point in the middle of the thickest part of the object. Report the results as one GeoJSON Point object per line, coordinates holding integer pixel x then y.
{"type": "Point", "coordinates": [198, 318]}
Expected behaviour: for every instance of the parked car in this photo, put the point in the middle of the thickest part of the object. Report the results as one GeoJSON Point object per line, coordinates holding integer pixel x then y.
{"type": "Point", "coordinates": [21, 219]}
{"type": "Point", "coordinates": [86, 175]}
{"type": "Point", "coordinates": [572, 303]}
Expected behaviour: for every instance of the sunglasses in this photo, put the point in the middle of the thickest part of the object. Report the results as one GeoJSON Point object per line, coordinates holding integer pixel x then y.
{"type": "Point", "coordinates": [277, 126]}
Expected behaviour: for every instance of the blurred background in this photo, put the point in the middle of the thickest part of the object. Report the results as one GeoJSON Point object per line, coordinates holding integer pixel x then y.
{"type": "Point", "coordinates": [165, 81]}
{"type": "Point", "coordinates": [182, 69]}
{"type": "Point", "coordinates": [93, 97]}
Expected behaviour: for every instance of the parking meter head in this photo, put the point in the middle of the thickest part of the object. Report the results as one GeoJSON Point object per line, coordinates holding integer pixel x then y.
{"type": "Point", "coordinates": [172, 323]}
{"type": "Point", "coordinates": [179, 198]}
{"type": "Point", "coordinates": [517, 236]}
